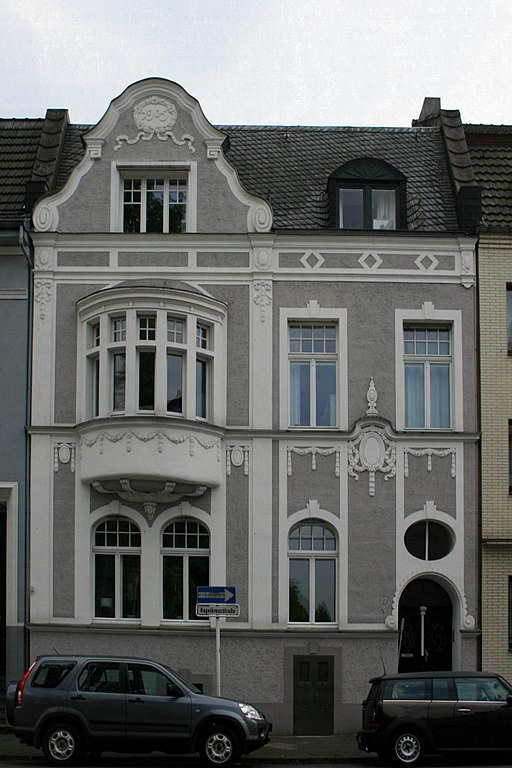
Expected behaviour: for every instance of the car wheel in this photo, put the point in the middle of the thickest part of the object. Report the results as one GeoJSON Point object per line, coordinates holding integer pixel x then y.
{"type": "Point", "coordinates": [62, 744]}
{"type": "Point", "coordinates": [407, 748]}
{"type": "Point", "coordinates": [220, 746]}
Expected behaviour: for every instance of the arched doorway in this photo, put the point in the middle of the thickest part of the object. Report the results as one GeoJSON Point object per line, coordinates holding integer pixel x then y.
{"type": "Point", "coordinates": [425, 619]}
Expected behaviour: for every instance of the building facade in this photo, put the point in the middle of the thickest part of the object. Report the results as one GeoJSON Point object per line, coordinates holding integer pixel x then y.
{"type": "Point", "coordinates": [29, 153]}
{"type": "Point", "coordinates": [490, 147]}
{"type": "Point", "coordinates": [254, 366]}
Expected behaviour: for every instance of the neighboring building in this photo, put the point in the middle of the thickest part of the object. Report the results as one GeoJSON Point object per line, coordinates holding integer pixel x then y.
{"type": "Point", "coordinates": [29, 151]}
{"type": "Point", "coordinates": [491, 154]}
{"type": "Point", "coordinates": [254, 366]}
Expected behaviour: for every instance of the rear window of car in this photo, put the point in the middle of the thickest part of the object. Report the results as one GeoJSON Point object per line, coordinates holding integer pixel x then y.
{"type": "Point", "coordinates": [414, 689]}
{"type": "Point", "coordinates": [51, 673]}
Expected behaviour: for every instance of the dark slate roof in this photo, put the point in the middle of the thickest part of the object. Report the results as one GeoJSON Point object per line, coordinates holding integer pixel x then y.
{"type": "Point", "coordinates": [490, 147]}
{"type": "Point", "coordinates": [19, 141]}
{"type": "Point", "coordinates": [287, 166]}
{"type": "Point", "coordinates": [290, 166]}
{"type": "Point", "coordinates": [29, 154]}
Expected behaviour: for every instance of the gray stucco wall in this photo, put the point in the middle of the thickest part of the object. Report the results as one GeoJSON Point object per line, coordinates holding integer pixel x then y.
{"type": "Point", "coordinates": [237, 540]}
{"type": "Point", "coordinates": [64, 542]}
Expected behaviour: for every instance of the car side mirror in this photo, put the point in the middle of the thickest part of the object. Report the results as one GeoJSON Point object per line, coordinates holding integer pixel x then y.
{"type": "Point", "coordinates": [174, 691]}
{"type": "Point", "coordinates": [509, 700]}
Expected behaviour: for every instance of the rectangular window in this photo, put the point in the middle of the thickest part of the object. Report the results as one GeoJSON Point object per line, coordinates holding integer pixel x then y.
{"type": "Point", "coordinates": [509, 319]}
{"type": "Point", "coordinates": [147, 328]}
{"type": "Point", "coordinates": [146, 380]}
{"type": "Point", "coordinates": [313, 375]}
{"type": "Point", "coordinates": [427, 378]}
{"type": "Point", "coordinates": [155, 204]}
{"type": "Point", "coordinates": [175, 330]}
{"type": "Point", "coordinates": [510, 457]}
{"type": "Point", "coordinates": [201, 387]}
{"type": "Point", "coordinates": [119, 329]}
{"type": "Point", "coordinates": [510, 612]}
{"type": "Point", "coordinates": [202, 336]}
{"type": "Point", "coordinates": [367, 207]}
{"type": "Point", "coordinates": [130, 580]}
{"type": "Point", "coordinates": [119, 381]}
{"type": "Point", "coordinates": [104, 580]}
{"type": "Point", "coordinates": [174, 383]}
{"type": "Point", "coordinates": [181, 577]}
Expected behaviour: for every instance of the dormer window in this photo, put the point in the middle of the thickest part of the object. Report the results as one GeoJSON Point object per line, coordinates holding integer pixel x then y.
{"type": "Point", "coordinates": [367, 194]}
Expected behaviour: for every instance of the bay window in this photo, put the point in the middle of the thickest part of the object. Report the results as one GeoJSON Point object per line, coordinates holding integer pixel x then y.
{"type": "Point", "coordinates": [148, 358]}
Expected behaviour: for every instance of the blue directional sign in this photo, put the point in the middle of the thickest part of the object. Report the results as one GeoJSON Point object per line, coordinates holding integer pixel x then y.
{"type": "Point", "coordinates": [216, 595]}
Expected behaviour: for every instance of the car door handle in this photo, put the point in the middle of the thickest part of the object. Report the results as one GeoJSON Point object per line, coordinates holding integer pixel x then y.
{"type": "Point", "coordinates": [465, 710]}
{"type": "Point", "coordinates": [136, 701]}
{"type": "Point", "coordinates": [77, 697]}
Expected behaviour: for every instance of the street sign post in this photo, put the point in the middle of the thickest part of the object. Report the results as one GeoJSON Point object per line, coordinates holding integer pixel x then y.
{"type": "Point", "coordinates": [217, 602]}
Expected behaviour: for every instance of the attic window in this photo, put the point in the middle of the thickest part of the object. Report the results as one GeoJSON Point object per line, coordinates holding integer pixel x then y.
{"type": "Point", "coordinates": [367, 194]}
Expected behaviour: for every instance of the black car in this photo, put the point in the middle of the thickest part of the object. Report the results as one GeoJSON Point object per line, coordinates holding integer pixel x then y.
{"type": "Point", "coordinates": [407, 716]}
{"type": "Point", "coordinates": [76, 705]}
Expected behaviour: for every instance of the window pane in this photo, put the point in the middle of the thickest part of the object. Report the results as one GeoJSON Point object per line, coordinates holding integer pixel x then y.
{"type": "Point", "coordinates": [300, 393]}
{"type": "Point", "coordinates": [440, 396]}
{"type": "Point", "coordinates": [326, 394]}
{"type": "Point", "coordinates": [299, 590]}
{"type": "Point", "coordinates": [175, 330]}
{"type": "Point", "coordinates": [414, 395]}
{"type": "Point", "coordinates": [325, 590]}
{"type": "Point", "coordinates": [119, 382]}
{"type": "Point", "coordinates": [177, 205]}
{"type": "Point", "coordinates": [198, 574]}
{"type": "Point", "coordinates": [201, 375]}
{"type": "Point", "coordinates": [173, 588]}
{"type": "Point", "coordinates": [175, 383]}
{"type": "Point", "coordinates": [146, 380]}
{"type": "Point", "coordinates": [95, 386]}
{"type": "Point", "coordinates": [384, 208]}
{"type": "Point", "coordinates": [104, 585]}
{"type": "Point", "coordinates": [155, 205]}
{"type": "Point", "coordinates": [351, 209]}
{"type": "Point", "coordinates": [439, 541]}
{"type": "Point", "coordinates": [131, 205]}
{"type": "Point", "coordinates": [415, 540]}
{"type": "Point", "coordinates": [130, 565]}
{"type": "Point", "coordinates": [509, 319]}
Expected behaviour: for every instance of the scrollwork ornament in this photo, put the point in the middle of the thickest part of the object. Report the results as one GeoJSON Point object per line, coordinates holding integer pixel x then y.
{"type": "Point", "coordinates": [155, 116]}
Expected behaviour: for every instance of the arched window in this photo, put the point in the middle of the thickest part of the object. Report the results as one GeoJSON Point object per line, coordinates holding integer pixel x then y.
{"type": "Point", "coordinates": [312, 555]}
{"type": "Point", "coordinates": [117, 547]}
{"type": "Point", "coordinates": [367, 193]}
{"type": "Point", "coordinates": [186, 566]}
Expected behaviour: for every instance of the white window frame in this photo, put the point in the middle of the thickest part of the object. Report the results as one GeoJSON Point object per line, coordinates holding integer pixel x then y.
{"type": "Point", "coordinates": [311, 556]}
{"type": "Point", "coordinates": [185, 554]}
{"type": "Point", "coordinates": [428, 315]}
{"type": "Point", "coordinates": [117, 552]}
{"type": "Point", "coordinates": [194, 311]}
{"type": "Point", "coordinates": [124, 170]}
{"type": "Point", "coordinates": [313, 313]}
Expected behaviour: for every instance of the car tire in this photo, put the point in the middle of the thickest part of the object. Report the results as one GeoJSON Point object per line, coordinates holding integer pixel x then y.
{"type": "Point", "coordinates": [407, 748]}
{"type": "Point", "coordinates": [220, 746]}
{"type": "Point", "coordinates": [62, 744]}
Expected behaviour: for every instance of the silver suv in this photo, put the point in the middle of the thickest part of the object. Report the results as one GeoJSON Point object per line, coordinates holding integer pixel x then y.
{"type": "Point", "coordinates": [407, 716]}
{"type": "Point", "coordinates": [77, 705]}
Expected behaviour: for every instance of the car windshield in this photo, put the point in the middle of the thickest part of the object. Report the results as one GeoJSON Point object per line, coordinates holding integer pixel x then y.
{"type": "Point", "coordinates": [181, 680]}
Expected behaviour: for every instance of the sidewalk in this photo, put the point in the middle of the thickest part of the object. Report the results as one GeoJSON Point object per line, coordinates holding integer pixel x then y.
{"type": "Point", "coordinates": [280, 749]}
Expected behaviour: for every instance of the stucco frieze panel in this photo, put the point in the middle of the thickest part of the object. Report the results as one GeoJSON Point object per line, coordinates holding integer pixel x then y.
{"type": "Point", "coordinates": [313, 451]}
{"type": "Point", "coordinates": [43, 294]}
{"type": "Point", "coordinates": [237, 456]}
{"type": "Point", "coordinates": [429, 452]}
{"type": "Point", "coordinates": [189, 456]}
{"type": "Point", "coordinates": [64, 453]}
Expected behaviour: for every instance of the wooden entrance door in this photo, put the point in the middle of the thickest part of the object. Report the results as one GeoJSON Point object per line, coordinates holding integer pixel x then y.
{"type": "Point", "coordinates": [313, 695]}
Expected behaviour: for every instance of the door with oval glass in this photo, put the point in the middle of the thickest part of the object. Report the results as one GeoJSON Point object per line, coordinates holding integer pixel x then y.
{"type": "Point", "coordinates": [313, 695]}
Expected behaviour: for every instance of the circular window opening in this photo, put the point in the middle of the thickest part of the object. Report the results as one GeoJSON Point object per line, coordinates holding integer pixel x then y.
{"type": "Point", "coordinates": [428, 540]}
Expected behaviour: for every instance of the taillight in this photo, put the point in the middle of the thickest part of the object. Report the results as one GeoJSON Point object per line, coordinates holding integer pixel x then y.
{"type": "Point", "coordinates": [19, 698]}
{"type": "Point", "coordinates": [374, 721]}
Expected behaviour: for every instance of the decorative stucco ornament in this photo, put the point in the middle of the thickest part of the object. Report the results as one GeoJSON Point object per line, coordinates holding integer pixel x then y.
{"type": "Point", "coordinates": [150, 499]}
{"type": "Point", "coordinates": [372, 452]}
{"type": "Point", "coordinates": [371, 397]}
{"type": "Point", "coordinates": [155, 116]}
